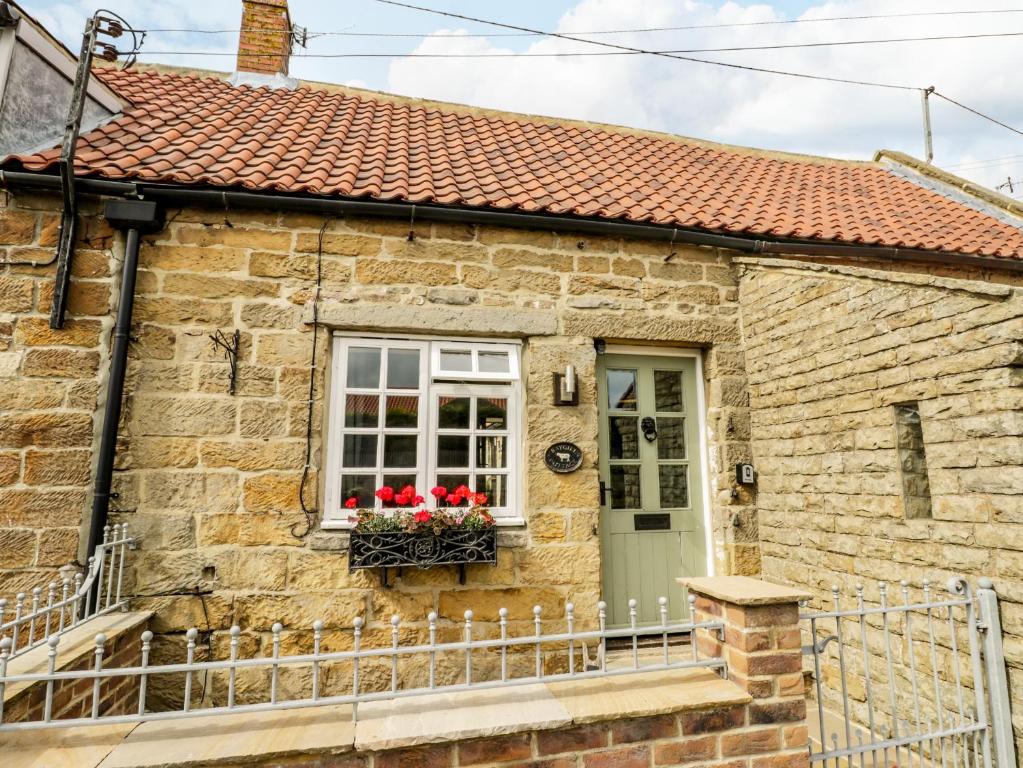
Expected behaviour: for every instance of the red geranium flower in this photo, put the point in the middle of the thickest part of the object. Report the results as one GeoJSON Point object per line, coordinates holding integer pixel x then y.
{"type": "Point", "coordinates": [454, 499]}
{"type": "Point", "coordinates": [422, 516]}
{"type": "Point", "coordinates": [402, 499]}
{"type": "Point", "coordinates": [439, 492]}
{"type": "Point", "coordinates": [462, 490]}
{"type": "Point", "coordinates": [479, 499]}
{"type": "Point", "coordinates": [352, 503]}
{"type": "Point", "coordinates": [385, 493]}
{"type": "Point", "coordinates": [418, 500]}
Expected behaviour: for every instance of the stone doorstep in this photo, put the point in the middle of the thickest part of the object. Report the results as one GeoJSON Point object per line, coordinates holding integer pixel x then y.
{"type": "Point", "coordinates": [743, 590]}
{"type": "Point", "coordinates": [431, 719]}
{"type": "Point", "coordinates": [74, 645]}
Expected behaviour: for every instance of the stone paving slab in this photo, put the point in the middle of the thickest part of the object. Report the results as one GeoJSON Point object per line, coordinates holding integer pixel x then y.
{"type": "Point", "coordinates": [645, 694]}
{"type": "Point", "coordinates": [81, 747]}
{"type": "Point", "coordinates": [203, 741]}
{"type": "Point", "coordinates": [445, 717]}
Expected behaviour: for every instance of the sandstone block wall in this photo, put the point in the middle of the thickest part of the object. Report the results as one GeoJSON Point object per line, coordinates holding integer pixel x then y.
{"type": "Point", "coordinates": [830, 353]}
{"type": "Point", "coordinates": [211, 481]}
{"type": "Point", "coordinates": [49, 385]}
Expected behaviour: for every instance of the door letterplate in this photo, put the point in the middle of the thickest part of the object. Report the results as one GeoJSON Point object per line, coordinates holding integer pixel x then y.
{"type": "Point", "coordinates": [655, 522]}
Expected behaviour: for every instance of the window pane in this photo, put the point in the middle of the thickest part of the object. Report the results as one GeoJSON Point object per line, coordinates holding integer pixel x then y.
{"type": "Point", "coordinates": [491, 413]}
{"type": "Point", "coordinates": [362, 410]}
{"type": "Point", "coordinates": [495, 487]}
{"type": "Point", "coordinates": [452, 450]}
{"type": "Point", "coordinates": [624, 437]}
{"type": "Point", "coordinates": [625, 488]}
{"type": "Point", "coordinates": [400, 450]}
{"type": "Point", "coordinates": [453, 412]}
{"type": "Point", "coordinates": [364, 367]}
{"type": "Point", "coordinates": [621, 390]}
{"type": "Point", "coordinates": [671, 438]}
{"type": "Point", "coordinates": [491, 452]}
{"type": "Point", "coordinates": [402, 411]}
{"type": "Point", "coordinates": [403, 369]}
{"type": "Point", "coordinates": [359, 486]}
{"type": "Point", "coordinates": [360, 451]}
{"type": "Point", "coordinates": [455, 360]}
{"type": "Point", "coordinates": [397, 482]}
{"type": "Point", "coordinates": [674, 485]}
{"type": "Point", "coordinates": [668, 390]}
{"type": "Point", "coordinates": [450, 482]}
{"type": "Point", "coordinates": [494, 362]}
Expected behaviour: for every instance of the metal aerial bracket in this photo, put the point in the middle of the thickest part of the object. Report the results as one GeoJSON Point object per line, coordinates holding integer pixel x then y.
{"type": "Point", "coordinates": [109, 25]}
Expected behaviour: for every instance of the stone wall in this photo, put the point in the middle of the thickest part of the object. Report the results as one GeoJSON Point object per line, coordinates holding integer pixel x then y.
{"type": "Point", "coordinates": [49, 385]}
{"type": "Point", "coordinates": [830, 353]}
{"type": "Point", "coordinates": [211, 481]}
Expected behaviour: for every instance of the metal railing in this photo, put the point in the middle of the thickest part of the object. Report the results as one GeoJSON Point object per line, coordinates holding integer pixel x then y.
{"type": "Point", "coordinates": [28, 623]}
{"type": "Point", "coordinates": [372, 674]}
{"type": "Point", "coordinates": [921, 683]}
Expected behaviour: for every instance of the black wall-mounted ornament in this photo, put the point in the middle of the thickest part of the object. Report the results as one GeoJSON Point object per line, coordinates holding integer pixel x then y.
{"type": "Point", "coordinates": [230, 347]}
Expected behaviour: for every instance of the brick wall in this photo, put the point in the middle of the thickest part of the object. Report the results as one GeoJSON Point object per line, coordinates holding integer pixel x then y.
{"type": "Point", "coordinates": [73, 698]}
{"type": "Point", "coordinates": [210, 481]}
{"type": "Point", "coordinates": [830, 353]}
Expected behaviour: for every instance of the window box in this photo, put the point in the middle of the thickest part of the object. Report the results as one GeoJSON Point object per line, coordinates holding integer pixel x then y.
{"type": "Point", "coordinates": [397, 549]}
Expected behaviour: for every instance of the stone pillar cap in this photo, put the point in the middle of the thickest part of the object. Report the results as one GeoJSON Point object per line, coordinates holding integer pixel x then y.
{"type": "Point", "coordinates": [743, 590]}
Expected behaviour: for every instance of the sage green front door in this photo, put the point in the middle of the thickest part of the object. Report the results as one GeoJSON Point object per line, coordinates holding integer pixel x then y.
{"type": "Point", "coordinates": [651, 515]}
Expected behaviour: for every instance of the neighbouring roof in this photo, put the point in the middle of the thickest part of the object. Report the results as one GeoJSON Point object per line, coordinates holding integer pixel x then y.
{"type": "Point", "coordinates": [194, 130]}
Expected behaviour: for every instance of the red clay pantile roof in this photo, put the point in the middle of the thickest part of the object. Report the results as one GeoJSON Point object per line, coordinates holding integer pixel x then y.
{"type": "Point", "coordinates": [185, 129]}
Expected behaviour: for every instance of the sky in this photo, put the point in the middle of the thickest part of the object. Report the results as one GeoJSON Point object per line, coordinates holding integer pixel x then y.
{"type": "Point", "coordinates": [691, 99]}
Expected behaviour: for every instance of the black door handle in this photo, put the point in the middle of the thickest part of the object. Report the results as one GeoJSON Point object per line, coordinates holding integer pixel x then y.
{"type": "Point", "coordinates": [603, 494]}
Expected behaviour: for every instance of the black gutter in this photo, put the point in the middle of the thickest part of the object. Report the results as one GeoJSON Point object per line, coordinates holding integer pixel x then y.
{"type": "Point", "coordinates": [182, 196]}
{"type": "Point", "coordinates": [133, 217]}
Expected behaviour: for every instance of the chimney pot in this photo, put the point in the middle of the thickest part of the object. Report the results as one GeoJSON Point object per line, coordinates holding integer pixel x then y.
{"type": "Point", "coordinates": [264, 43]}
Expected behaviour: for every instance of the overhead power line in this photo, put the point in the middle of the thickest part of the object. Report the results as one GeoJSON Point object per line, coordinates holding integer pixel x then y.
{"type": "Point", "coordinates": [776, 22]}
{"type": "Point", "coordinates": [558, 54]}
{"type": "Point", "coordinates": [978, 113]}
{"type": "Point", "coordinates": [991, 161]}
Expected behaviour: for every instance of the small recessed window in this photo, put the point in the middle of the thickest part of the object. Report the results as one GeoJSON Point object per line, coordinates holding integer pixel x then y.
{"type": "Point", "coordinates": [909, 442]}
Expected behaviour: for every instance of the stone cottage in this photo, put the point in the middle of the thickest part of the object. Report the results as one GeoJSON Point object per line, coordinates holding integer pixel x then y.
{"type": "Point", "coordinates": [414, 289]}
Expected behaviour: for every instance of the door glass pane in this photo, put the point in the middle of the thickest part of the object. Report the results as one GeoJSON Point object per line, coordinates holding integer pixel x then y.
{"type": "Point", "coordinates": [362, 410]}
{"type": "Point", "coordinates": [397, 482]}
{"type": "Point", "coordinates": [671, 438]}
{"type": "Point", "coordinates": [452, 412]}
{"type": "Point", "coordinates": [452, 450]}
{"type": "Point", "coordinates": [403, 369]}
{"type": "Point", "coordinates": [400, 450]}
{"type": "Point", "coordinates": [625, 488]}
{"type": "Point", "coordinates": [360, 451]}
{"type": "Point", "coordinates": [491, 413]}
{"type": "Point", "coordinates": [364, 367]}
{"type": "Point", "coordinates": [668, 391]}
{"type": "Point", "coordinates": [495, 487]}
{"type": "Point", "coordinates": [494, 362]}
{"type": "Point", "coordinates": [490, 452]}
{"type": "Point", "coordinates": [624, 437]}
{"type": "Point", "coordinates": [450, 482]}
{"type": "Point", "coordinates": [455, 360]}
{"type": "Point", "coordinates": [402, 411]}
{"type": "Point", "coordinates": [621, 390]}
{"type": "Point", "coordinates": [674, 485]}
{"type": "Point", "coordinates": [360, 487]}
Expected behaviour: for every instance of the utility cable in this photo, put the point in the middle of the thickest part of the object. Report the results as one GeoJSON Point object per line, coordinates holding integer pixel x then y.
{"type": "Point", "coordinates": [348, 33]}
{"type": "Point", "coordinates": [567, 54]}
{"type": "Point", "coordinates": [974, 111]}
{"type": "Point", "coordinates": [562, 36]}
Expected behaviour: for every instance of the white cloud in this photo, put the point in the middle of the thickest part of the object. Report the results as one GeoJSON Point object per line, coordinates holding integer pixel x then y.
{"type": "Point", "coordinates": [721, 104]}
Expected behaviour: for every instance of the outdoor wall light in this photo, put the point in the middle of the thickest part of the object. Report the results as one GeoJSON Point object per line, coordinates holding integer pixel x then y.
{"type": "Point", "coordinates": [566, 387]}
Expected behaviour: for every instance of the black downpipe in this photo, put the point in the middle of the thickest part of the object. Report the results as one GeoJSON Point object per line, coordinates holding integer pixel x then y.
{"type": "Point", "coordinates": [134, 217]}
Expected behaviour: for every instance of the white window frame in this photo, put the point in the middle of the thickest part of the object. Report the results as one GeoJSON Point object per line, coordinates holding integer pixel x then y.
{"type": "Point", "coordinates": [432, 381]}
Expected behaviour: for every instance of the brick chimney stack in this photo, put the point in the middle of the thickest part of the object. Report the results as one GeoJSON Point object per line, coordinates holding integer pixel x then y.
{"type": "Point", "coordinates": [264, 45]}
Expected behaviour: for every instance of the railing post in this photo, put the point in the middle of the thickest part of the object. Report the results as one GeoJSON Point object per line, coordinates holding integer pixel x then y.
{"type": "Point", "coordinates": [762, 647]}
{"type": "Point", "coordinates": [998, 683]}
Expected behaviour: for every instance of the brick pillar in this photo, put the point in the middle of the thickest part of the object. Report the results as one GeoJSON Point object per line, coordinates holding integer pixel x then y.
{"type": "Point", "coordinates": [264, 45]}
{"type": "Point", "coordinates": [762, 648]}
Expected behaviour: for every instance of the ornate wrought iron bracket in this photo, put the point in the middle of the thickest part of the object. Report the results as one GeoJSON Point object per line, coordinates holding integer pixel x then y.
{"type": "Point", "coordinates": [230, 347]}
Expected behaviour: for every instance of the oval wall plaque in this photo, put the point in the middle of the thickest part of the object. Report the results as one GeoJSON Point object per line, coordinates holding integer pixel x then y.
{"type": "Point", "coordinates": [563, 457]}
